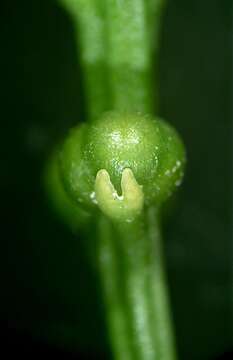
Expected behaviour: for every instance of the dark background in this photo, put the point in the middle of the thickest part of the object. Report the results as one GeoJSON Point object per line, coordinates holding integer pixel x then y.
{"type": "Point", "coordinates": [49, 299]}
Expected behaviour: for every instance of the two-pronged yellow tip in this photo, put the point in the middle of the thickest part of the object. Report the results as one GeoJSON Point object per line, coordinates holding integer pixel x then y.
{"type": "Point", "coordinates": [126, 206]}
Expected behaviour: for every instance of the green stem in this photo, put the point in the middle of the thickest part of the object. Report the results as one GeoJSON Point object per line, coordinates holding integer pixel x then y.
{"type": "Point", "coordinates": [158, 288]}
{"type": "Point", "coordinates": [117, 318]}
{"type": "Point", "coordinates": [155, 10]}
{"type": "Point", "coordinates": [135, 290]}
{"type": "Point", "coordinates": [129, 56]}
{"type": "Point", "coordinates": [90, 32]}
{"type": "Point", "coordinates": [117, 39]}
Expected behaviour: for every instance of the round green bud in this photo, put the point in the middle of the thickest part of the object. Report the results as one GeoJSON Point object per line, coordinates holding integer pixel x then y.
{"type": "Point", "coordinates": [148, 146]}
{"type": "Point", "coordinates": [78, 178]}
{"type": "Point", "coordinates": [60, 203]}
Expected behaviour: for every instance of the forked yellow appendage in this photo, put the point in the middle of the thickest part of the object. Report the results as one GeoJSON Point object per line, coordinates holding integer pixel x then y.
{"type": "Point", "coordinates": [125, 207]}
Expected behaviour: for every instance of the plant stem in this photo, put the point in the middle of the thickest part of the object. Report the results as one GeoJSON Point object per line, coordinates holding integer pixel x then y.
{"type": "Point", "coordinates": [118, 38]}
{"type": "Point", "coordinates": [90, 32]}
{"type": "Point", "coordinates": [155, 10]}
{"type": "Point", "coordinates": [128, 55]}
{"type": "Point", "coordinates": [117, 317]}
{"type": "Point", "coordinates": [134, 288]}
{"type": "Point", "coordinates": [158, 287]}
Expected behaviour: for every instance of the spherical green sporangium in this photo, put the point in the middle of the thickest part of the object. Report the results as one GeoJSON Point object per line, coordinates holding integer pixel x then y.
{"type": "Point", "coordinates": [149, 146]}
